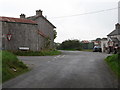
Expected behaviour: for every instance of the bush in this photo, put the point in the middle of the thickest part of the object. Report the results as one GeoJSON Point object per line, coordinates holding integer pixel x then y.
{"type": "Point", "coordinates": [70, 45]}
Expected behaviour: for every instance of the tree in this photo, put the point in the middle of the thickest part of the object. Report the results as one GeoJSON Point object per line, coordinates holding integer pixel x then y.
{"type": "Point", "coordinates": [55, 34]}
{"type": "Point", "coordinates": [70, 44]}
{"type": "Point", "coordinates": [98, 39]}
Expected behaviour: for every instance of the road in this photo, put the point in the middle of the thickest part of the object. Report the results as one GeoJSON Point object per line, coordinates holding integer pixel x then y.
{"type": "Point", "coordinates": [71, 69]}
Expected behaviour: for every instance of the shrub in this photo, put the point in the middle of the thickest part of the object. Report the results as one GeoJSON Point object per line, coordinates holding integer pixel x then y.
{"type": "Point", "coordinates": [70, 45]}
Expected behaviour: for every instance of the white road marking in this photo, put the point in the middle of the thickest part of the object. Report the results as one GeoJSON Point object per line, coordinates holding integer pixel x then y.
{"type": "Point", "coordinates": [62, 56]}
{"type": "Point", "coordinates": [59, 56]}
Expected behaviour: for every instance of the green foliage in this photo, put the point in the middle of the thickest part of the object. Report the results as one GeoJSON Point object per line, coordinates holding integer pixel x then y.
{"type": "Point", "coordinates": [55, 34]}
{"type": "Point", "coordinates": [87, 50]}
{"type": "Point", "coordinates": [47, 43]}
{"type": "Point", "coordinates": [98, 39]}
{"type": "Point", "coordinates": [70, 45]}
{"type": "Point", "coordinates": [10, 63]}
{"type": "Point", "coordinates": [0, 67]}
{"type": "Point", "coordinates": [50, 53]}
{"type": "Point", "coordinates": [37, 53]}
{"type": "Point", "coordinates": [114, 62]}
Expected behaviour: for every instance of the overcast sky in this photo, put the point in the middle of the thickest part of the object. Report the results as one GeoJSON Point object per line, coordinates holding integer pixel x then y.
{"type": "Point", "coordinates": [82, 27]}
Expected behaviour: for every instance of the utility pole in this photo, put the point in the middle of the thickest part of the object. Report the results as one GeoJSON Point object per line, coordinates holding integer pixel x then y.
{"type": "Point", "coordinates": [119, 12]}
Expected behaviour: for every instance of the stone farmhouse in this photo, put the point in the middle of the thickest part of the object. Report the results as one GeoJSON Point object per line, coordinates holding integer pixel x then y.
{"type": "Point", "coordinates": [34, 33]}
{"type": "Point", "coordinates": [112, 40]}
{"type": "Point", "coordinates": [114, 36]}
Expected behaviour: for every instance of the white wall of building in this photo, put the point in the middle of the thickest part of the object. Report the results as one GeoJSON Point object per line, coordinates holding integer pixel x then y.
{"type": "Point", "coordinates": [104, 43]}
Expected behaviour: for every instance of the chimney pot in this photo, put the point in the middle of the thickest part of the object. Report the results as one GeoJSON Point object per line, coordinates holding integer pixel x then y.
{"type": "Point", "coordinates": [39, 12]}
{"type": "Point", "coordinates": [117, 26]}
{"type": "Point", "coordinates": [22, 16]}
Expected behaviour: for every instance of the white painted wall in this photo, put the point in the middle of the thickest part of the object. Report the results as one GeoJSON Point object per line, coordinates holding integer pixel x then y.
{"type": "Point", "coordinates": [104, 43]}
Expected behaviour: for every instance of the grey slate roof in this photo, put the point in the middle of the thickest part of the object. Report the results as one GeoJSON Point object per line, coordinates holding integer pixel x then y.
{"type": "Point", "coordinates": [115, 39]}
{"type": "Point", "coordinates": [37, 16]}
{"type": "Point", "coordinates": [115, 32]}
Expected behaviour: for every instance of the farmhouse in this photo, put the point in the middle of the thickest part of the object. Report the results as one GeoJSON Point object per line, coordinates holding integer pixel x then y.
{"type": "Point", "coordinates": [34, 33]}
{"type": "Point", "coordinates": [114, 36]}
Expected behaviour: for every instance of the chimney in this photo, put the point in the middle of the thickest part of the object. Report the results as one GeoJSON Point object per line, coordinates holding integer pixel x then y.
{"type": "Point", "coordinates": [117, 26]}
{"type": "Point", "coordinates": [39, 12]}
{"type": "Point", "coordinates": [22, 16]}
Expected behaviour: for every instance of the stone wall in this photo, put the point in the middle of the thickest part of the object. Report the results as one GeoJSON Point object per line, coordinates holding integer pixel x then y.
{"type": "Point", "coordinates": [23, 35]}
{"type": "Point", "coordinates": [47, 29]}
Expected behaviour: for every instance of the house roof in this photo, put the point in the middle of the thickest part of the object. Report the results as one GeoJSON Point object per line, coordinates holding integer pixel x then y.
{"type": "Point", "coordinates": [85, 41]}
{"type": "Point", "coordinates": [114, 39]}
{"type": "Point", "coordinates": [37, 16]}
{"type": "Point", "coordinates": [115, 32]}
{"type": "Point", "coordinates": [17, 20]}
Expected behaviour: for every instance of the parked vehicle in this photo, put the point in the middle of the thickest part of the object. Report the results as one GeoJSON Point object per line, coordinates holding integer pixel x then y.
{"type": "Point", "coordinates": [97, 49]}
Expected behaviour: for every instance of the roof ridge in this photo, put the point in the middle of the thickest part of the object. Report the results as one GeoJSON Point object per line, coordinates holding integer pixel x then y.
{"type": "Point", "coordinates": [36, 16]}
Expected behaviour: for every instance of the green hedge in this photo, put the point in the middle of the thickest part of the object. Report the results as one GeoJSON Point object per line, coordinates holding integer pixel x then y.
{"type": "Point", "coordinates": [114, 62]}
{"type": "Point", "coordinates": [37, 53]}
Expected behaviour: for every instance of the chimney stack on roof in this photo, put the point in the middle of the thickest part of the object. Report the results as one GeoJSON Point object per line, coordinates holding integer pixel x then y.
{"type": "Point", "coordinates": [22, 16]}
{"type": "Point", "coordinates": [39, 12]}
{"type": "Point", "coordinates": [117, 26]}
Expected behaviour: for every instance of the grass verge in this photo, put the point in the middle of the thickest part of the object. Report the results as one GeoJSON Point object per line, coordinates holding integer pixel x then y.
{"type": "Point", "coordinates": [37, 53]}
{"type": "Point", "coordinates": [70, 49]}
{"type": "Point", "coordinates": [114, 63]}
{"type": "Point", "coordinates": [87, 50]}
{"type": "Point", "coordinates": [11, 66]}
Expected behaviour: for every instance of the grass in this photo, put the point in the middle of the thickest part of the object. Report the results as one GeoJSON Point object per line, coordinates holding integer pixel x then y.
{"type": "Point", "coordinates": [70, 49]}
{"type": "Point", "coordinates": [11, 66]}
{"type": "Point", "coordinates": [114, 63]}
{"type": "Point", "coordinates": [87, 50]}
{"type": "Point", "coordinates": [0, 67]}
{"type": "Point", "coordinates": [37, 53]}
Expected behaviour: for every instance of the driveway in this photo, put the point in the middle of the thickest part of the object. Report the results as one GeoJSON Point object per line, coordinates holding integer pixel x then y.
{"type": "Point", "coordinates": [71, 69]}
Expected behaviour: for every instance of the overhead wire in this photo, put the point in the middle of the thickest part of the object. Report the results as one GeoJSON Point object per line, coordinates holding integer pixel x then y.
{"type": "Point", "coordinates": [93, 12]}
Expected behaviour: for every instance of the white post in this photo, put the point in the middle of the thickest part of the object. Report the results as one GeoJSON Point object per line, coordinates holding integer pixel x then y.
{"type": "Point", "coordinates": [119, 12]}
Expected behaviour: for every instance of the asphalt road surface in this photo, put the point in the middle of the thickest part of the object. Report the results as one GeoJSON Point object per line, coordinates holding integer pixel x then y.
{"type": "Point", "coordinates": [71, 69]}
